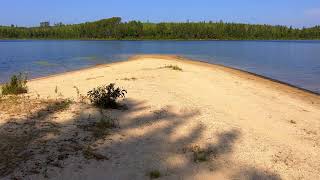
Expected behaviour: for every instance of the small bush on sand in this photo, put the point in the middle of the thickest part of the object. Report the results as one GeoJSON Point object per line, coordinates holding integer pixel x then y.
{"type": "Point", "coordinates": [173, 67]}
{"type": "Point", "coordinates": [17, 85]}
{"type": "Point", "coordinates": [154, 174]}
{"type": "Point", "coordinates": [106, 96]}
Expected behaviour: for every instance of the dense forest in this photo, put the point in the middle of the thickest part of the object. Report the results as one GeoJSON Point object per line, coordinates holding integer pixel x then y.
{"type": "Point", "coordinates": [114, 28]}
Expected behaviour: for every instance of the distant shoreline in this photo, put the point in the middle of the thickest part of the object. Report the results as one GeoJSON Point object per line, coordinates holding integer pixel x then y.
{"type": "Point", "coordinates": [116, 28]}
{"type": "Point", "coordinates": [159, 39]}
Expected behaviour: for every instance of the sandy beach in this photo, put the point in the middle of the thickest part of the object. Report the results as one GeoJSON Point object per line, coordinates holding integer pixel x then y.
{"type": "Point", "coordinates": [242, 126]}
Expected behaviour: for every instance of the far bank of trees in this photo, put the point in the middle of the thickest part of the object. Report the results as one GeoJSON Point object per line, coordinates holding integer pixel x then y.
{"type": "Point", "coordinates": [114, 28]}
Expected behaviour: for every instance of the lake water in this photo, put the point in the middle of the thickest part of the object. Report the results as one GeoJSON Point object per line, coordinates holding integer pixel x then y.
{"type": "Point", "coordinates": [293, 62]}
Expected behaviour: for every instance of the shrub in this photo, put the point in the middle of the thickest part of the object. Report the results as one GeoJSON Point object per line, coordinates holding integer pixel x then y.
{"type": "Point", "coordinates": [106, 96]}
{"type": "Point", "coordinates": [17, 85]}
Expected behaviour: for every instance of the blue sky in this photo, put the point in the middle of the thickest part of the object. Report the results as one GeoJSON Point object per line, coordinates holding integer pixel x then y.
{"type": "Point", "coordinates": [298, 13]}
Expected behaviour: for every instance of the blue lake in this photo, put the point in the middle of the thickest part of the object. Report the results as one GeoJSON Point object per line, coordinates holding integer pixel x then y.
{"type": "Point", "coordinates": [293, 62]}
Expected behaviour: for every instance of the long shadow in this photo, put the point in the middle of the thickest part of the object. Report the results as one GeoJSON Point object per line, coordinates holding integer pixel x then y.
{"type": "Point", "coordinates": [17, 134]}
{"type": "Point", "coordinates": [252, 173]}
{"type": "Point", "coordinates": [145, 141]}
{"type": "Point", "coordinates": [150, 146]}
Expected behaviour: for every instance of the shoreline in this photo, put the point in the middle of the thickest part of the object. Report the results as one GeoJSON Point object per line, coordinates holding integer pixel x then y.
{"type": "Point", "coordinates": [160, 40]}
{"type": "Point", "coordinates": [274, 83]}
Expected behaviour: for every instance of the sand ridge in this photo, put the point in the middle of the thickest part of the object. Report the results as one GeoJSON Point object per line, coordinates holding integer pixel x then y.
{"type": "Point", "coordinates": [247, 127]}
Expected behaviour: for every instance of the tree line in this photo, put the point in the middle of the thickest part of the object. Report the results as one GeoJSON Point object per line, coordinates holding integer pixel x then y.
{"type": "Point", "coordinates": [114, 28]}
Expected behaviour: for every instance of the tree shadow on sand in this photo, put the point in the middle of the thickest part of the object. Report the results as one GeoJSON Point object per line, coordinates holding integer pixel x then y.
{"type": "Point", "coordinates": [18, 136]}
{"type": "Point", "coordinates": [147, 139]}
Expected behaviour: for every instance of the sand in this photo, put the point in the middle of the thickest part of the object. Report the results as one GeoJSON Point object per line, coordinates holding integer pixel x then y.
{"type": "Point", "coordinates": [204, 122]}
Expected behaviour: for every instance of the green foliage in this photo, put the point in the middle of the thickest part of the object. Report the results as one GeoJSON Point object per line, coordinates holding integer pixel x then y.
{"type": "Point", "coordinates": [101, 127]}
{"type": "Point", "coordinates": [106, 96]}
{"type": "Point", "coordinates": [200, 155]}
{"type": "Point", "coordinates": [54, 106]}
{"type": "Point", "coordinates": [154, 174]}
{"type": "Point", "coordinates": [60, 105]}
{"type": "Point", "coordinates": [17, 85]}
{"type": "Point", "coordinates": [113, 28]}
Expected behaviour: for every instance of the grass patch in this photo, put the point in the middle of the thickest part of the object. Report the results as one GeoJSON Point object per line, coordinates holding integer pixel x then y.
{"type": "Point", "coordinates": [101, 127]}
{"type": "Point", "coordinates": [293, 122]}
{"type": "Point", "coordinates": [18, 134]}
{"type": "Point", "coordinates": [11, 149]}
{"type": "Point", "coordinates": [154, 174]}
{"type": "Point", "coordinates": [173, 67]}
{"type": "Point", "coordinates": [53, 106]}
{"type": "Point", "coordinates": [15, 105]}
{"type": "Point", "coordinates": [17, 85]}
{"type": "Point", "coordinates": [60, 105]}
{"type": "Point", "coordinates": [19, 104]}
{"type": "Point", "coordinates": [129, 79]}
{"type": "Point", "coordinates": [91, 78]}
{"type": "Point", "coordinates": [81, 98]}
{"type": "Point", "coordinates": [200, 154]}
{"type": "Point", "coordinates": [106, 96]}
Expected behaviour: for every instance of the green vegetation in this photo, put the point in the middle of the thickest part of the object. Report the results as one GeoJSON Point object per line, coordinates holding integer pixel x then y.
{"type": "Point", "coordinates": [173, 67]}
{"type": "Point", "coordinates": [60, 105]}
{"type": "Point", "coordinates": [200, 155]}
{"type": "Point", "coordinates": [17, 85]}
{"type": "Point", "coordinates": [129, 79]}
{"type": "Point", "coordinates": [114, 28]}
{"type": "Point", "coordinates": [81, 98]}
{"type": "Point", "coordinates": [100, 128]}
{"type": "Point", "coordinates": [106, 96]}
{"type": "Point", "coordinates": [154, 174]}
